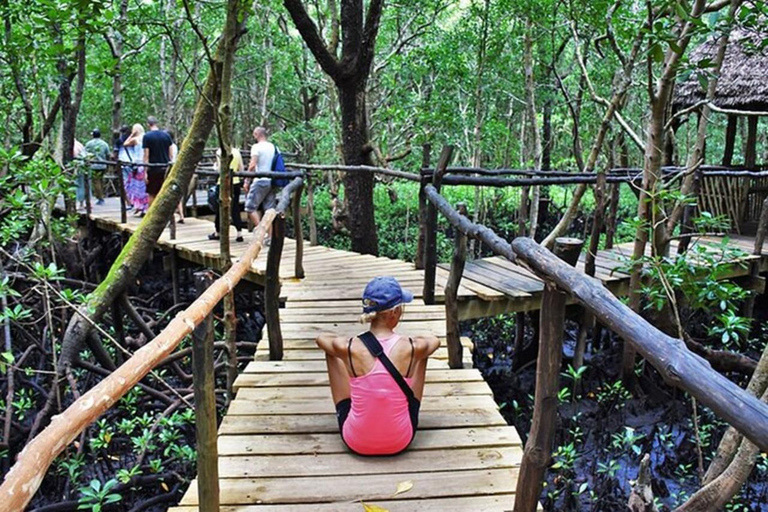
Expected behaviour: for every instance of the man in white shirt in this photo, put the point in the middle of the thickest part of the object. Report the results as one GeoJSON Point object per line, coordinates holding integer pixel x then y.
{"type": "Point", "coordinates": [260, 196]}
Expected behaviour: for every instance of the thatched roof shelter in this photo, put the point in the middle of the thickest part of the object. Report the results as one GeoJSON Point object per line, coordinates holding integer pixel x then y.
{"type": "Point", "coordinates": [743, 83]}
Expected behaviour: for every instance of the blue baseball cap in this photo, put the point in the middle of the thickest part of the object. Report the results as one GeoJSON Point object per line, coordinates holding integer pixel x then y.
{"type": "Point", "coordinates": [383, 293]}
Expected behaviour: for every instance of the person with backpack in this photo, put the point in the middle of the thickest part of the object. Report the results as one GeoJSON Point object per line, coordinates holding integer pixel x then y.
{"type": "Point", "coordinates": [377, 378]}
{"type": "Point", "coordinates": [260, 195]}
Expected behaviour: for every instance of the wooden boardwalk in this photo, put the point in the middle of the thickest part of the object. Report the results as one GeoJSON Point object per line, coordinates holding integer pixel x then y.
{"type": "Point", "coordinates": [279, 447]}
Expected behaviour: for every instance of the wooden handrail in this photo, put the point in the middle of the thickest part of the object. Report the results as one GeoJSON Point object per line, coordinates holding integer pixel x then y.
{"type": "Point", "coordinates": [678, 366]}
{"type": "Point", "coordinates": [272, 284]}
{"type": "Point", "coordinates": [25, 477]}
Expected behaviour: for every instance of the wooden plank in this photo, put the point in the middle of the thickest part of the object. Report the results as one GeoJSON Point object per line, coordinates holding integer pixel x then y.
{"type": "Point", "coordinates": [319, 355]}
{"type": "Point", "coordinates": [267, 380]}
{"type": "Point", "coordinates": [366, 487]}
{"type": "Point", "coordinates": [310, 443]}
{"type": "Point", "coordinates": [307, 366]}
{"type": "Point", "coordinates": [495, 503]}
{"type": "Point", "coordinates": [323, 392]}
{"type": "Point", "coordinates": [327, 423]}
{"type": "Point", "coordinates": [340, 464]}
{"type": "Point", "coordinates": [310, 344]}
{"type": "Point", "coordinates": [298, 406]}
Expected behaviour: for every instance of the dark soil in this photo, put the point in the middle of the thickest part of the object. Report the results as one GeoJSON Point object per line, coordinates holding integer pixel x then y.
{"type": "Point", "coordinates": [603, 430]}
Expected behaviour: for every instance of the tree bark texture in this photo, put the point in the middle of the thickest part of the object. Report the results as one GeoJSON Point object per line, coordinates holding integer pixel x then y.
{"type": "Point", "coordinates": [538, 448]}
{"type": "Point", "coordinates": [350, 75]}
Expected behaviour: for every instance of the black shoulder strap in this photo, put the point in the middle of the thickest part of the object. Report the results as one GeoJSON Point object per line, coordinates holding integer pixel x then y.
{"type": "Point", "coordinates": [375, 348]}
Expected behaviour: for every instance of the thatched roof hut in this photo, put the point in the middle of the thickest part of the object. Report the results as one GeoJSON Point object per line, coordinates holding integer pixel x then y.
{"type": "Point", "coordinates": [743, 83]}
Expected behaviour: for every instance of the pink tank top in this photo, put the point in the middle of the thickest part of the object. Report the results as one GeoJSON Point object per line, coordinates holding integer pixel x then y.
{"type": "Point", "coordinates": [378, 421]}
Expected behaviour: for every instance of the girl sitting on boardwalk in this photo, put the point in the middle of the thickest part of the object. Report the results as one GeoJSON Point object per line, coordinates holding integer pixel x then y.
{"type": "Point", "coordinates": [377, 378]}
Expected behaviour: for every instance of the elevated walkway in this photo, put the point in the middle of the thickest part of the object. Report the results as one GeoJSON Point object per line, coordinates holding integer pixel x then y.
{"type": "Point", "coordinates": [279, 448]}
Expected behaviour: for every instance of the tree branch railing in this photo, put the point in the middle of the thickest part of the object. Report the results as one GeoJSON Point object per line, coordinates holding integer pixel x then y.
{"type": "Point", "coordinates": [26, 475]}
{"type": "Point", "coordinates": [677, 365]}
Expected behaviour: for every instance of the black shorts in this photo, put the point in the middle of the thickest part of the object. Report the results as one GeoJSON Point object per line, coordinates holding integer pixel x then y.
{"type": "Point", "coordinates": [345, 405]}
{"type": "Point", "coordinates": [342, 412]}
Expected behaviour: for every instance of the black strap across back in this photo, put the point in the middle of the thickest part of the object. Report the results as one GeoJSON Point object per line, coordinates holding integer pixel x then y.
{"type": "Point", "coordinates": [377, 351]}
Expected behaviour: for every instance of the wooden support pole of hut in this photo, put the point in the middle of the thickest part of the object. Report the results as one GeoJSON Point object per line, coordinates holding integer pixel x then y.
{"type": "Point", "coordinates": [298, 235]}
{"type": "Point", "coordinates": [272, 289]}
{"type": "Point", "coordinates": [453, 334]}
{"type": "Point", "coordinates": [121, 192]}
{"type": "Point", "coordinates": [205, 405]}
{"type": "Point", "coordinates": [754, 269]}
{"type": "Point", "coordinates": [538, 448]}
{"type": "Point", "coordinates": [686, 227]}
{"type": "Point", "coordinates": [424, 179]}
{"type": "Point", "coordinates": [430, 238]}
{"type": "Point", "coordinates": [730, 139]}
{"type": "Point", "coordinates": [613, 210]}
{"type": "Point", "coordinates": [750, 152]}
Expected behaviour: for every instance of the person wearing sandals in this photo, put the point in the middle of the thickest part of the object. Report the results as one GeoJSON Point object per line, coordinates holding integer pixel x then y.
{"type": "Point", "coordinates": [236, 165]}
{"type": "Point", "coordinates": [377, 378]}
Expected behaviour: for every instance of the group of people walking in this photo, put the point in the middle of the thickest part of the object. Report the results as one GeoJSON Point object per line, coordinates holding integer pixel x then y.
{"type": "Point", "coordinates": [145, 157]}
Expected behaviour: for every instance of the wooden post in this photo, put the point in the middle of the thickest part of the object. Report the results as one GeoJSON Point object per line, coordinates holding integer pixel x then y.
{"type": "Point", "coordinates": [421, 242]}
{"type": "Point", "coordinates": [522, 215]}
{"type": "Point", "coordinates": [430, 236]}
{"type": "Point", "coordinates": [754, 269]}
{"type": "Point", "coordinates": [87, 183]}
{"type": "Point", "coordinates": [453, 334]}
{"type": "Point", "coordinates": [568, 249]}
{"type": "Point", "coordinates": [121, 192]}
{"type": "Point", "coordinates": [689, 211]}
{"type": "Point", "coordinates": [538, 449]}
{"type": "Point", "coordinates": [311, 210]}
{"type": "Point", "coordinates": [174, 264]}
{"type": "Point", "coordinates": [730, 139]}
{"type": "Point", "coordinates": [298, 235]}
{"type": "Point", "coordinates": [613, 209]}
{"type": "Point", "coordinates": [205, 405]}
{"type": "Point", "coordinates": [750, 153]}
{"type": "Point", "coordinates": [272, 289]}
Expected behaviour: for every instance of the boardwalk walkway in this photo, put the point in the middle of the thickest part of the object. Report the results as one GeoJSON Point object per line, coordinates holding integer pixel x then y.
{"type": "Point", "coordinates": [279, 448]}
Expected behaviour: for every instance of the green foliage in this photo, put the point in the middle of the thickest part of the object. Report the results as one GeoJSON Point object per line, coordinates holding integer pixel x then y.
{"type": "Point", "coordinates": [96, 495]}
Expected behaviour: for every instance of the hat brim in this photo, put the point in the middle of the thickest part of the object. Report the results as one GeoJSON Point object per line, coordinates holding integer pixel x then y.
{"type": "Point", "coordinates": [407, 296]}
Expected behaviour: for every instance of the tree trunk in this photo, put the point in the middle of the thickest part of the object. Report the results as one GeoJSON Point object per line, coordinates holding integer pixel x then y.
{"type": "Point", "coordinates": [358, 186]}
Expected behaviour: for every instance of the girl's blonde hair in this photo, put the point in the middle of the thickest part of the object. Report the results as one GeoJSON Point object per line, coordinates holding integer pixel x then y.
{"type": "Point", "coordinates": [367, 318]}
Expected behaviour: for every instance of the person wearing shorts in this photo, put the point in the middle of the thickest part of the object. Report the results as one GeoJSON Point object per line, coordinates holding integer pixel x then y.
{"type": "Point", "coordinates": [259, 194]}
{"type": "Point", "coordinates": [157, 150]}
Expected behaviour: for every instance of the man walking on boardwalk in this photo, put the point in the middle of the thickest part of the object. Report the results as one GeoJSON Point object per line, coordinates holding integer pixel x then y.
{"type": "Point", "coordinates": [157, 150]}
{"type": "Point", "coordinates": [97, 149]}
{"type": "Point", "coordinates": [259, 191]}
